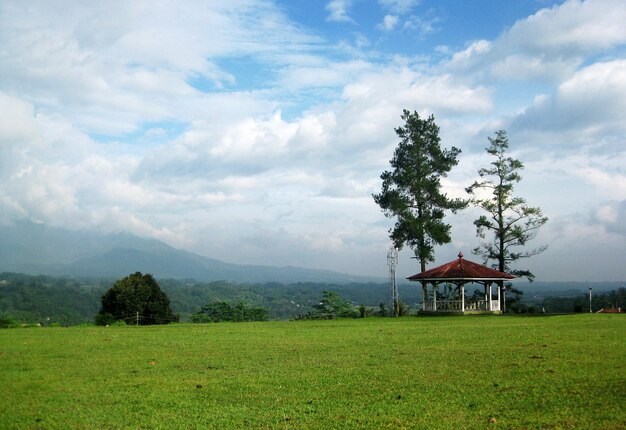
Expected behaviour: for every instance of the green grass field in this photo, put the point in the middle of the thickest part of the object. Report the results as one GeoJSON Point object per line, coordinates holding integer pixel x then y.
{"type": "Point", "coordinates": [415, 372]}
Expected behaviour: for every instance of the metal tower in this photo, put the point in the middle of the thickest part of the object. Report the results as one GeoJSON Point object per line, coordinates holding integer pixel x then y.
{"type": "Point", "coordinates": [392, 262]}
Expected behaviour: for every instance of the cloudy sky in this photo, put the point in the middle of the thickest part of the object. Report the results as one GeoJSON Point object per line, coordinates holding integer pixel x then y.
{"type": "Point", "coordinates": [255, 131]}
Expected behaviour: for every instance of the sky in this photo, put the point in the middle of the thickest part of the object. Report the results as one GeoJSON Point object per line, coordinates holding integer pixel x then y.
{"type": "Point", "coordinates": [256, 131]}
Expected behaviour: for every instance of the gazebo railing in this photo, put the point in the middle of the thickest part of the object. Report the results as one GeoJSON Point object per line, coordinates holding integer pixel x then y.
{"type": "Point", "coordinates": [443, 305]}
{"type": "Point", "coordinates": [457, 305]}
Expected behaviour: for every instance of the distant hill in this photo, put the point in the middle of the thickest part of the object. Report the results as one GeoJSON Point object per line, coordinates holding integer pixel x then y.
{"type": "Point", "coordinates": [38, 249]}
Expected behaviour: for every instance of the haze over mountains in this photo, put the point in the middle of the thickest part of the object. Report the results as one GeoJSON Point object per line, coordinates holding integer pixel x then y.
{"type": "Point", "coordinates": [31, 248]}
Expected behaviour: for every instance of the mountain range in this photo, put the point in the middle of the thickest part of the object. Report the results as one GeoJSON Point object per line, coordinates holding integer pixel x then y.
{"type": "Point", "coordinates": [39, 249]}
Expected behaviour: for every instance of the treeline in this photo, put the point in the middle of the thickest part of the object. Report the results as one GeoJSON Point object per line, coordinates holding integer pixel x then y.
{"type": "Point", "coordinates": [69, 301]}
{"type": "Point", "coordinates": [50, 300]}
{"type": "Point", "coordinates": [580, 303]}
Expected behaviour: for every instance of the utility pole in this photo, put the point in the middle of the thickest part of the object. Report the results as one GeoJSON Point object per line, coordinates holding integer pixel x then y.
{"type": "Point", "coordinates": [590, 311]}
{"type": "Point", "coordinates": [392, 261]}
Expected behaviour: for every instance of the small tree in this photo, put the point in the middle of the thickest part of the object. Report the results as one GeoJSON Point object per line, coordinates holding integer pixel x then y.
{"type": "Point", "coordinates": [403, 309]}
{"type": "Point", "coordinates": [510, 222]}
{"type": "Point", "coordinates": [382, 309]}
{"type": "Point", "coordinates": [412, 193]}
{"type": "Point", "coordinates": [136, 299]}
{"type": "Point", "coordinates": [333, 306]}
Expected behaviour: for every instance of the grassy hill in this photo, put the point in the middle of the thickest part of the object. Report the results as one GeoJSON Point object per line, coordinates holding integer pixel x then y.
{"type": "Point", "coordinates": [417, 372]}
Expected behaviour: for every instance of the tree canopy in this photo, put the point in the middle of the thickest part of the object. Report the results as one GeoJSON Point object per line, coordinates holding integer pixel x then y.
{"type": "Point", "coordinates": [510, 221]}
{"type": "Point", "coordinates": [412, 190]}
{"type": "Point", "coordinates": [333, 306]}
{"type": "Point", "coordinates": [217, 311]}
{"type": "Point", "coordinates": [136, 299]}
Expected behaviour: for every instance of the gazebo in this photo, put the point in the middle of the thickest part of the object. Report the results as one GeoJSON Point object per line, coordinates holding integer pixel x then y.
{"type": "Point", "coordinates": [460, 272]}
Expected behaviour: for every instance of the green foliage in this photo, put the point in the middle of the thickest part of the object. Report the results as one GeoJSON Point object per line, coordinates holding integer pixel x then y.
{"type": "Point", "coordinates": [136, 299]}
{"type": "Point", "coordinates": [403, 309]}
{"type": "Point", "coordinates": [6, 321]}
{"type": "Point", "coordinates": [411, 192]}
{"type": "Point", "coordinates": [47, 299]}
{"type": "Point", "coordinates": [580, 302]}
{"type": "Point", "coordinates": [104, 318]}
{"type": "Point", "coordinates": [514, 301]}
{"type": "Point", "coordinates": [71, 301]}
{"type": "Point", "coordinates": [382, 310]}
{"type": "Point", "coordinates": [223, 311]}
{"type": "Point", "coordinates": [557, 372]}
{"type": "Point", "coordinates": [333, 306]}
{"type": "Point", "coordinates": [510, 222]}
{"type": "Point", "coordinates": [118, 323]}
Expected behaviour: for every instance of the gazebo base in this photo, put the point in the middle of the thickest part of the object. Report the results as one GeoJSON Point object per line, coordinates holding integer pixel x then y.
{"type": "Point", "coordinates": [467, 312]}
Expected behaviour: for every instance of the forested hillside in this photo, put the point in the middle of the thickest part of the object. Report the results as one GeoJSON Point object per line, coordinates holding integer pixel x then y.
{"type": "Point", "coordinates": [65, 300]}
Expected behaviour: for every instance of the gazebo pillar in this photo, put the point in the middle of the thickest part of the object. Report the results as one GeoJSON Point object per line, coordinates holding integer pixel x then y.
{"type": "Point", "coordinates": [434, 297]}
{"type": "Point", "coordinates": [487, 303]}
{"type": "Point", "coordinates": [499, 303]}
{"type": "Point", "coordinates": [489, 296]}
{"type": "Point", "coordinates": [463, 298]}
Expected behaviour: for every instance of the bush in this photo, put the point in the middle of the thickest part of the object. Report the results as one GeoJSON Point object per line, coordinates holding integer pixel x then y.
{"type": "Point", "coordinates": [223, 311]}
{"type": "Point", "coordinates": [104, 319]}
{"type": "Point", "coordinates": [136, 299]}
{"type": "Point", "coordinates": [332, 306]}
{"type": "Point", "coordinates": [6, 321]}
{"type": "Point", "coordinates": [382, 310]}
{"type": "Point", "coordinates": [200, 318]}
{"type": "Point", "coordinates": [403, 309]}
{"type": "Point", "coordinates": [118, 323]}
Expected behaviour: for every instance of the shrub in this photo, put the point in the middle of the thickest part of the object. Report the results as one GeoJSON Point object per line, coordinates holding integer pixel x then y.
{"type": "Point", "coordinates": [223, 311]}
{"type": "Point", "coordinates": [104, 319]}
{"type": "Point", "coordinates": [403, 309]}
{"type": "Point", "coordinates": [333, 306]}
{"type": "Point", "coordinates": [6, 321]}
{"type": "Point", "coordinates": [118, 323]}
{"type": "Point", "coordinates": [136, 299]}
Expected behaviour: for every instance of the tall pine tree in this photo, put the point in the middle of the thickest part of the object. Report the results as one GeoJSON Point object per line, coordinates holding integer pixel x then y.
{"type": "Point", "coordinates": [411, 191]}
{"type": "Point", "coordinates": [510, 222]}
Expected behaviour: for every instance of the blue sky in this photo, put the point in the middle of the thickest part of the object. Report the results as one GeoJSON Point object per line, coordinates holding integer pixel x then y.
{"type": "Point", "coordinates": [255, 131]}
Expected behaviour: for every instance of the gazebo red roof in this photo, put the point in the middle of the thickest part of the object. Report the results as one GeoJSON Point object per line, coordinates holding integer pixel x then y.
{"type": "Point", "coordinates": [461, 270]}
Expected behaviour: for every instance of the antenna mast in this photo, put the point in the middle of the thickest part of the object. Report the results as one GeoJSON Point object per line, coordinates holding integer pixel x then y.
{"type": "Point", "coordinates": [392, 262]}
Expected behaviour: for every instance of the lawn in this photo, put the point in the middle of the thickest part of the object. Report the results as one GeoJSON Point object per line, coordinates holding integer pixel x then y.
{"type": "Point", "coordinates": [413, 372]}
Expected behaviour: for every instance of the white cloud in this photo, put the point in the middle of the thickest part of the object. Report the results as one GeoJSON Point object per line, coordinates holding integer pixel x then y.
{"type": "Point", "coordinates": [612, 215]}
{"type": "Point", "coordinates": [401, 86]}
{"type": "Point", "coordinates": [609, 183]}
{"type": "Point", "coordinates": [571, 29]}
{"type": "Point", "coordinates": [328, 74]}
{"type": "Point", "coordinates": [571, 241]}
{"type": "Point", "coordinates": [389, 22]}
{"type": "Point", "coordinates": [585, 110]}
{"type": "Point", "coordinates": [399, 6]}
{"type": "Point", "coordinates": [607, 213]}
{"type": "Point", "coordinates": [549, 45]}
{"type": "Point", "coordinates": [421, 25]}
{"type": "Point", "coordinates": [111, 75]}
{"type": "Point", "coordinates": [338, 10]}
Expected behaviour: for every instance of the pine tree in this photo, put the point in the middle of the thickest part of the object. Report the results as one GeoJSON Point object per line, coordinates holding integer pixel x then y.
{"type": "Point", "coordinates": [510, 222]}
{"type": "Point", "coordinates": [412, 193]}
